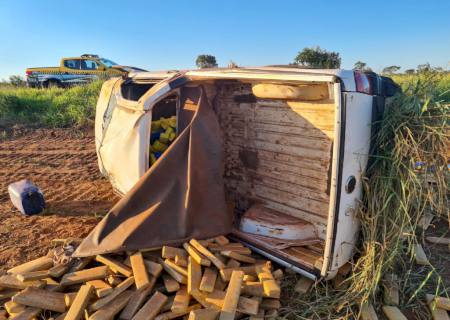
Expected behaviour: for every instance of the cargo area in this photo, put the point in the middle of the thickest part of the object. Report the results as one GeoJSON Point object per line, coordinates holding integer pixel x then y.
{"type": "Point", "coordinates": [278, 157]}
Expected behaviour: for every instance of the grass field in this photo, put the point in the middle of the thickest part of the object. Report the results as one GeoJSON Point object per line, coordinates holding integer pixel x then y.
{"type": "Point", "coordinates": [54, 107]}
{"type": "Point", "coordinates": [57, 107]}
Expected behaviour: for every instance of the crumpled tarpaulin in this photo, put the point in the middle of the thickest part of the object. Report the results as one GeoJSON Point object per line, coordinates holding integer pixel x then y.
{"type": "Point", "coordinates": [180, 197]}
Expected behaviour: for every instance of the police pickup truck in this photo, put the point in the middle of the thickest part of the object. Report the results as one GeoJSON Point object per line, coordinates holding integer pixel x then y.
{"type": "Point", "coordinates": [78, 70]}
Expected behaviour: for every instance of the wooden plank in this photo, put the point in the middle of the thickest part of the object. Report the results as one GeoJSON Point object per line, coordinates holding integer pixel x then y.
{"type": "Point", "coordinates": [11, 281]}
{"type": "Point", "coordinates": [101, 287]}
{"type": "Point", "coordinates": [197, 256]}
{"type": "Point", "coordinates": [231, 299]}
{"type": "Point", "coordinates": [32, 275]}
{"type": "Point", "coordinates": [43, 299]}
{"type": "Point", "coordinates": [207, 254]}
{"type": "Point", "coordinates": [29, 313]}
{"type": "Point", "coordinates": [201, 298]}
{"type": "Point", "coordinates": [136, 301]}
{"type": "Point", "coordinates": [393, 313]}
{"type": "Point", "coordinates": [194, 275]}
{"type": "Point", "coordinates": [269, 303]}
{"type": "Point", "coordinates": [171, 252]}
{"type": "Point", "coordinates": [438, 240]}
{"type": "Point", "coordinates": [115, 265]}
{"type": "Point", "coordinates": [112, 308]}
{"type": "Point", "coordinates": [390, 290]}
{"type": "Point", "coordinates": [249, 278]}
{"type": "Point", "coordinates": [181, 301]}
{"type": "Point", "coordinates": [226, 273]}
{"type": "Point", "coordinates": [170, 284]}
{"type": "Point", "coordinates": [253, 289]}
{"type": "Point", "coordinates": [80, 264]}
{"type": "Point", "coordinates": [172, 315]}
{"type": "Point", "coordinates": [259, 316]}
{"type": "Point", "coordinates": [176, 267]}
{"type": "Point", "coordinates": [245, 305]}
{"type": "Point", "coordinates": [84, 275]}
{"type": "Point", "coordinates": [168, 305]}
{"type": "Point", "coordinates": [203, 314]}
{"type": "Point", "coordinates": [271, 287]}
{"type": "Point", "coordinates": [233, 264]}
{"type": "Point", "coordinates": [221, 240]}
{"type": "Point", "coordinates": [368, 312]}
{"type": "Point", "coordinates": [14, 307]}
{"type": "Point", "coordinates": [181, 261]}
{"type": "Point", "coordinates": [79, 304]}
{"type": "Point", "coordinates": [278, 274]}
{"type": "Point", "coordinates": [153, 268]}
{"type": "Point", "coordinates": [236, 256]}
{"type": "Point", "coordinates": [425, 220]}
{"type": "Point", "coordinates": [141, 277]}
{"type": "Point", "coordinates": [220, 284]}
{"type": "Point", "coordinates": [69, 297]}
{"type": "Point", "coordinates": [114, 280]}
{"type": "Point", "coordinates": [240, 250]}
{"type": "Point", "coordinates": [58, 270]}
{"type": "Point", "coordinates": [442, 302]}
{"type": "Point", "coordinates": [420, 256]}
{"type": "Point", "coordinates": [42, 263]}
{"type": "Point", "coordinates": [174, 274]}
{"type": "Point", "coordinates": [208, 280]}
{"type": "Point", "coordinates": [121, 287]}
{"type": "Point", "coordinates": [7, 293]}
{"type": "Point", "coordinates": [437, 313]}
{"type": "Point", "coordinates": [271, 314]}
{"type": "Point", "coordinates": [152, 307]}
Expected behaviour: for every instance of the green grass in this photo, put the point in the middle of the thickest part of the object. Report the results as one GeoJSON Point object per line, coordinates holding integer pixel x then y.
{"type": "Point", "coordinates": [438, 82]}
{"type": "Point", "coordinates": [55, 107]}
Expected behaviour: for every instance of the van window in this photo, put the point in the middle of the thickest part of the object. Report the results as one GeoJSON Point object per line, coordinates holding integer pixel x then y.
{"type": "Point", "coordinates": [72, 64]}
{"type": "Point", "coordinates": [88, 65]}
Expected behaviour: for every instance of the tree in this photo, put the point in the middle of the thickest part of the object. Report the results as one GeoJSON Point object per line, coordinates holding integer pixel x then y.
{"type": "Point", "coordinates": [390, 69]}
{"type": "Point", "coordinates": [206, 61]}
{"type": "Point", "coordinates": [426, 67]}
{"type": "Point", "coordinates": [17, 81]}
{"type": "Point", "coordinates": [361, 66]}
{"type": "Point", "coordinates": [410, 71]}
{"type": "Point", "coordinates": [318, 58]}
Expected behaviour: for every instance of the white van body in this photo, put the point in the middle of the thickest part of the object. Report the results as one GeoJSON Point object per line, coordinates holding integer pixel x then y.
{"type": "Point", "coordinates": [312, 151]}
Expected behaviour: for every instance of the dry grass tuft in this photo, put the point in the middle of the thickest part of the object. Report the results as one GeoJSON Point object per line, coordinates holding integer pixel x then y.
{"type": "Point", "coordinates": [396, 196]}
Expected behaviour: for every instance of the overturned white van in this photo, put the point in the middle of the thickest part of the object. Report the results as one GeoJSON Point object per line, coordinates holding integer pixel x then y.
{"type": "Point", "coordinates": [295, 143]}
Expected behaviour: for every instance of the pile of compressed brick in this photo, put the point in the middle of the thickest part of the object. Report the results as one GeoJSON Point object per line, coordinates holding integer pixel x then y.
{"type": "Point", "coordinates": [204, 279]}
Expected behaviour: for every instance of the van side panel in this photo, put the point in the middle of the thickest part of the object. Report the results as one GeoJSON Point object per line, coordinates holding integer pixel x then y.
{"type": "Point", "coordinates": [357, 127]}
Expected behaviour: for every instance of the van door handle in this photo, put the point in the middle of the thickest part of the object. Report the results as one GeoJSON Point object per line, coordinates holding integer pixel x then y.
{"type": "Point", "coordinates": [350, 184]}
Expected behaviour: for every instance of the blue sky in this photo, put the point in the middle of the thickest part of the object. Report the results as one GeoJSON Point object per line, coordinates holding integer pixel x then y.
{"type": "Point", "coordinates": [158, 35]}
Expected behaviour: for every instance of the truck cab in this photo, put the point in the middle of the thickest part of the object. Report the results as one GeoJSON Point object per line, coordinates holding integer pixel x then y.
{"type": "Point", "coordinates": [296, 144]}
{"type": "Point", "coordinates": [76, 70]}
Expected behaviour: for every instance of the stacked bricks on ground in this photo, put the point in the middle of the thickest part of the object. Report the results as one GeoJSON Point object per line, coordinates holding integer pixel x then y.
{"type": "Point", "coordinates": [200, 280]}
{"type": "Point", "coordinates": [163, 134]}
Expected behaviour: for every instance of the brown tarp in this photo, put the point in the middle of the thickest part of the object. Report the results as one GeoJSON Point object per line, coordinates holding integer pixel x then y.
{"type": "Point", "coordinates": [180, 197]}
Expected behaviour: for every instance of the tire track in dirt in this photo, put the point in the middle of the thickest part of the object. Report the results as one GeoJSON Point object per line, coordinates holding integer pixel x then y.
{"type": "Point", "coordinates": [63, 164]}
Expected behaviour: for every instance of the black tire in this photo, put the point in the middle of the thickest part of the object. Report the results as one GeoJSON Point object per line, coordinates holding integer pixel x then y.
{"type": "Point", "coordinates": [52, 84]}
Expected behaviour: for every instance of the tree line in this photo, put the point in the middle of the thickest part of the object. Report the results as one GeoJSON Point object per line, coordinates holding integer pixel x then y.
{"type": "Point", "coordinates": [319, 58]}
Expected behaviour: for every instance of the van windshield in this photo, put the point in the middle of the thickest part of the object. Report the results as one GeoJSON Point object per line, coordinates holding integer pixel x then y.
{"type": "Point", "coordinates": [107, 62]}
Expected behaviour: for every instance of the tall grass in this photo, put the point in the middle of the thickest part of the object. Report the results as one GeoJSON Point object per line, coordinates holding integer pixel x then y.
{"type": "Point", "coordinates": [396, 196]}
{"type": "Point", "coordinates": [54, 107]}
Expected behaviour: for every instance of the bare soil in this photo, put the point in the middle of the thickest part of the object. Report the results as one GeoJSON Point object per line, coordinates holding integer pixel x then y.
{"type": "Point", "coordinates": [63, 164]}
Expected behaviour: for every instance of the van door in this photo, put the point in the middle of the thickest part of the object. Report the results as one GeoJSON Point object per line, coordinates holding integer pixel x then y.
{"type": "Point", "coordinates": [122, 130]}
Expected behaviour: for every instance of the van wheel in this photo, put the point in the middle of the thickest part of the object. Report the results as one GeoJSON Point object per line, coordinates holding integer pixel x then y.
{"type": "Point", "coordinates": [52, 84]}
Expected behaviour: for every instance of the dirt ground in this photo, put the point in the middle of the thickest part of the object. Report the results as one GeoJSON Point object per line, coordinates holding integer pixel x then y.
{"type": "Point", "coordinates": [63, 164]}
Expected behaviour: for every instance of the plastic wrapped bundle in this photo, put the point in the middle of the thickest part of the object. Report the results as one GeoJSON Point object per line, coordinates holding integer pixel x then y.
{"type": "Point", "coordinates": [163, 133]}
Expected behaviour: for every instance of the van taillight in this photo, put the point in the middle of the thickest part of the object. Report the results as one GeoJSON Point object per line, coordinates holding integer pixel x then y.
{"type": "Point", "coordinates": [363, 84]}
{"type": "Point", "coordinates": [28, 72]}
